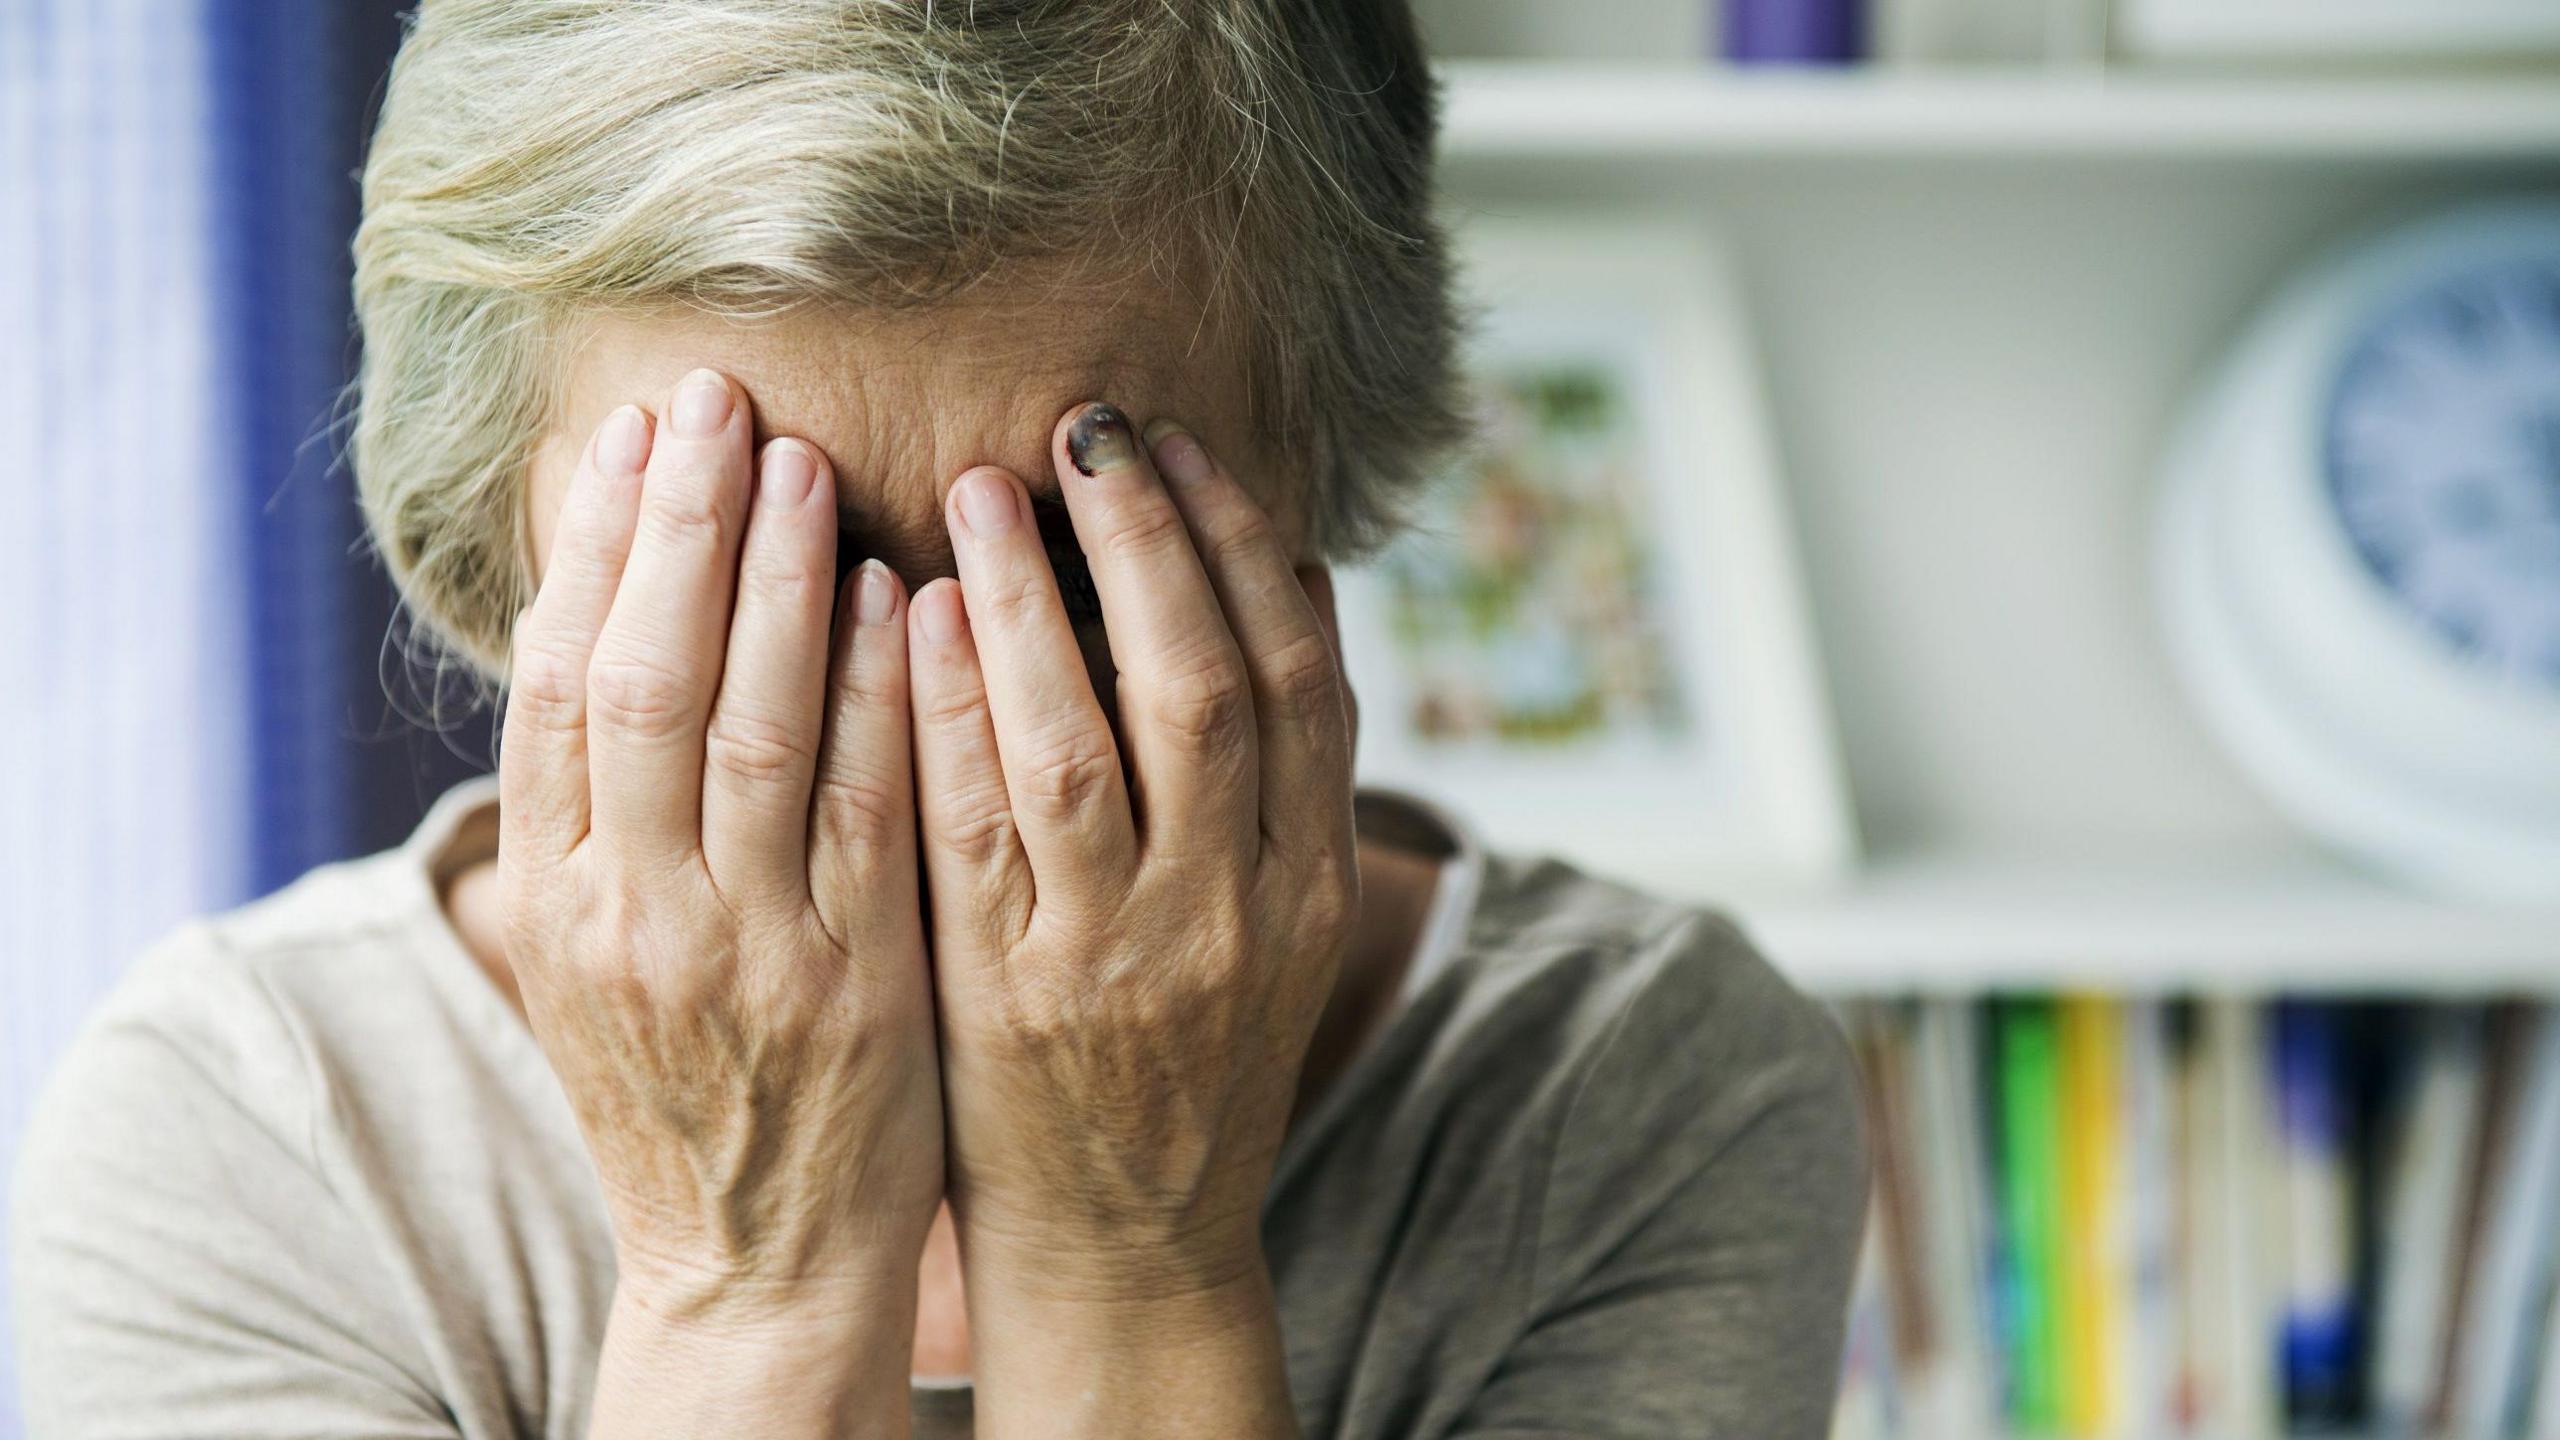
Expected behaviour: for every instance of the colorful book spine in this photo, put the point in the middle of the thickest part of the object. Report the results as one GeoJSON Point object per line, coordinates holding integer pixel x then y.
{"type": "Point", "coordinates": [2228, 1218]}
{"type": "Point", "coordinates": [2510, 1293]}
{"type": "Point", "coordinates": [1957, 1214]}
{"type": "Point", "coordinates": [2030, 1091]}
{"type": "Point", "coordinates": [2146, 1332]}
{"type": "Point", "coordinates": [2433, 1133]}
{"type": "Point", "coordinates": [2318, 1343]}
{"type": "Point", "coordinates": [2092, 1291]}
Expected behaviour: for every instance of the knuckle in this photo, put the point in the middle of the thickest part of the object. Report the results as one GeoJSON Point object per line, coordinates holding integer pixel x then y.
{"type": "Point", "coordinates": [784, 584]}
{"type": "Point", "coordinates": [1072, 770]}
{"type": "Point", "coordinates": [1303, 679]}
{"type": "Point", "coordinates": [616, 936]}
{"type": "Point", "coordinates": [638, 696]}
{"type": "Point", "coordinates": [861, 799]}
{"type": "Point", "coordinates": [546, 682]}
{"type": "Point", "coordinates": [1016, 596]}
{"type": "Point", "coordinates": [1331, 904]}
{"type": "Point", "coordinates": [1144, 532]}
{"type": "Point", "coordinates": [520, 885]}
{"type": "Point", "coordinates": [756, 749]}
{"type": "Point", "coordinates": [1239, 535]}
{"type": "Point", "coordinates": [665, 975]}
{"type": "Point", "coordinates": [1154, 1007]}
{"type": "Point", "coordinates": [976, 825]}
{"type": "Point", "coordinates": [689, 514]}
{"type": "Point", "coordinates": [1205, 707]}
{"type": "Point", "coordinates": [864, 684]}
{"type": "Point", "coordinates": [958, 709]}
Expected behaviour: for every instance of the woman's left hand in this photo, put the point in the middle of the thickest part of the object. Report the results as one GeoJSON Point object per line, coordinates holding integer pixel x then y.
{"type": "Point", "coordinates": [1133, 936]}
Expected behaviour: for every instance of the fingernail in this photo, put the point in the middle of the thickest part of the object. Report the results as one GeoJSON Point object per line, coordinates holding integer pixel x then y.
{"type": "Point", "coordinates": [938, 611]}
{"type": "Point", "coordinates": [622, 442]}
{"type": "Point", "coordinates": [1098, 439]}
{"type": "Point", "coordinates": [987, 504]}
{"type": "Point", "coordinates": [788, 473]}
{"type": "Point", "coordinates": [1180, 457]}
{"type": "Point", "coordinates": [701, 406]}
{"type": "Point", "coordinates": [874, 598]}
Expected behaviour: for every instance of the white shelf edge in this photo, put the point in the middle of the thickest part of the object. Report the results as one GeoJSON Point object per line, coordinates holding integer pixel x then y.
{"type": "Point", "coordinates": [2258, 923]}
{"type": "Point", "coordinates": [1500, 110]}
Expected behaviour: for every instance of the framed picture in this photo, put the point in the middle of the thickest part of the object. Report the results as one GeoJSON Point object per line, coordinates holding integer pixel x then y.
{"type": "Point", "coordinates": [2338, 29]}
{"type": "Point", "coordinates": [1594, 642]}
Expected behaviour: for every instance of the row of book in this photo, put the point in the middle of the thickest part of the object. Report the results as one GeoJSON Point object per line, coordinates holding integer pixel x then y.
{"type": "Point", "coordinates": [2216, 1217]}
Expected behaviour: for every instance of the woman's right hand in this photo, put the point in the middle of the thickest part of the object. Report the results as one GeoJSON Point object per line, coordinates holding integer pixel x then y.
{"type": "Point", "coordinates": [707, 864]}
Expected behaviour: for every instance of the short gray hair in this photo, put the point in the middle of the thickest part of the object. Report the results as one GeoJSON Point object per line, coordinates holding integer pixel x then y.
{"type": "Point", "coordinates": [540, 159]}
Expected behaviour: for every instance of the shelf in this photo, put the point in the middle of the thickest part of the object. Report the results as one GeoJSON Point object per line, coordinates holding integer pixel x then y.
{"type": "Point", "coordinates": [1530, 110]}
{"type": "Point", "coordinates": [1962, 923]}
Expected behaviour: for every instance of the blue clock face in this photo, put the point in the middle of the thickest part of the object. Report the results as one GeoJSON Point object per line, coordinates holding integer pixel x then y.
{"type": "Point", "coordinates": [2443, 460]}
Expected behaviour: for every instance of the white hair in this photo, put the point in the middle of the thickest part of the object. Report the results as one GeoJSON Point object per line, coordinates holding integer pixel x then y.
{"type": "Point", "coordinates": [542, 160]}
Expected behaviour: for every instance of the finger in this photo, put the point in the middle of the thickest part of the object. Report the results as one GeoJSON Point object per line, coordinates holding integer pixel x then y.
{"type": "Point", "coordinates": [1061, 764]}
{"type": "Point", "coordinates": [862, 819]}
{"type": "Point", "coordinates": [658, 662]}
{"type": "Point", "coordinates": [1298, 691]}
{"type": "Point", "coordinates": [974, 863]}
{"type": "Point", "coordinates": [1317, 581]}
{"type": "Point", "coordinates": [1186, 707]}
{"type": "Point", "coordinates": [542, 762]}
{"type": "Point", "coordinates": [760, 747]}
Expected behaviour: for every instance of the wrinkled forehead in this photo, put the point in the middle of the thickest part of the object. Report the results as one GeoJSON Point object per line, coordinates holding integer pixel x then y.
{"type": "Point", "coordinates": [904, 401]}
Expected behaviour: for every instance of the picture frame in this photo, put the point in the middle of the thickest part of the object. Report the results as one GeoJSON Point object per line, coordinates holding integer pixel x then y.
{"type": "Point", "coordinates": [1594, 641]}
{"type": "Point", "coordinates": [2337, 29]}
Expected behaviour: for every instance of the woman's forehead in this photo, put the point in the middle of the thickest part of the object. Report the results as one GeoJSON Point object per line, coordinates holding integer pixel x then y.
{"type": "Point", "coordinates": [903, 402]}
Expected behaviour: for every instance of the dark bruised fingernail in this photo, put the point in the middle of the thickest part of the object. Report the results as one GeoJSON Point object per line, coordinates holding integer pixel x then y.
{"type": "Point", "coordinates": [1098, 439]}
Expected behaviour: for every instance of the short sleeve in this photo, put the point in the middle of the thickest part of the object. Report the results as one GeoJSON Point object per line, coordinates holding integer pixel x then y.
{"type": "Point", "coordinates": [182, 1267]}
{"type": "Point", "coordinates": [1701, 1221]}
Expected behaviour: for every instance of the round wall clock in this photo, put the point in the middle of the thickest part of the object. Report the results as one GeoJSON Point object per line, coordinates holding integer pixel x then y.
{"type": "Point", "coordinates": [2360, 551]}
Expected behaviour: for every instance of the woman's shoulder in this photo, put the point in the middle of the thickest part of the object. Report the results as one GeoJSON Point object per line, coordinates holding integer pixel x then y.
{"type": "Point", "coordinates": [278, 967]}
{"type": "Point", "coordinates": [1647, 1048]}
{"type": "Point", "coordinates": [1678, 990]}
{"type": "Point", "coordinates": [226, 1018]}
{"type": "Point", "coordinates": [215, 1194]}
{"type": "Point", "coordinates": [1605, 1130]}
{"type": "Point", "coordinates": [1614, 1041]}
{"type": "Point", "coordinates": [1554, 968]}
{"type": "Point", "coordinates": [240, 1027]}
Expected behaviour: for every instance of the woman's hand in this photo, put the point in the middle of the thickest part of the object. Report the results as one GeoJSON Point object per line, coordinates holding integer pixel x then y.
{"type": "Point", "coordinates": [1133, 937]}
{"type": "Point", "coordinates": [708, 870]}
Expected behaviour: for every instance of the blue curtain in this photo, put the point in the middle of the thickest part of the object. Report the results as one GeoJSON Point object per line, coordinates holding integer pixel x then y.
{"type": "Point", "coordinates": [279, 237]}
{"type": "Point", "coordinates": [193, 698]}
{"type": "Point", "coordinates": [336, 766]}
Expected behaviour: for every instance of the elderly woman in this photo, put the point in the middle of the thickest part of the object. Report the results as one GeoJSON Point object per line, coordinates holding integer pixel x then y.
{"type": "Point", "coordinates": [922, 967]}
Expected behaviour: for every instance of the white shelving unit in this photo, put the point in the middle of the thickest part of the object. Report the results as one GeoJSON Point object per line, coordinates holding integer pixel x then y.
{"type": "Point", "coordinates": [1980, 298]}
{"type": "Point", "coordinates": [1613, 113]}
{"type": "Point", "coordinates": [1958, 924]}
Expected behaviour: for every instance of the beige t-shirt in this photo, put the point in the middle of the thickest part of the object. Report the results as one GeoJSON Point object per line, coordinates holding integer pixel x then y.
{"type": "Point", "coordinates": [307, 1174]}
